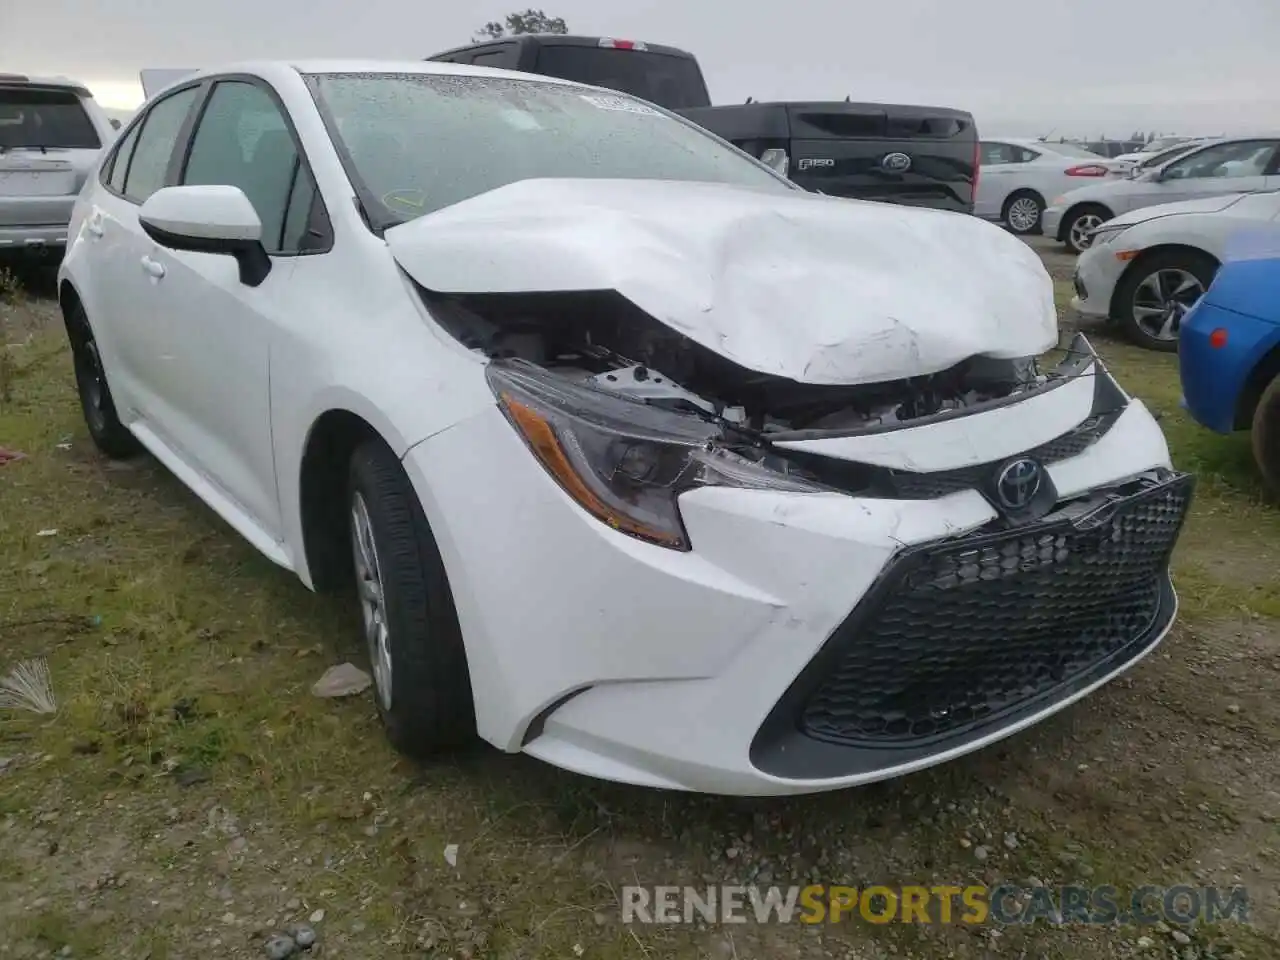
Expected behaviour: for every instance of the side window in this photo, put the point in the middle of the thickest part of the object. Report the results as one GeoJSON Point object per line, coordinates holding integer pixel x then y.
{"type": "Point", "coordinates": [1244, 158]}
{"type": "Point", "coordinates": [242, 141]}
{"type": "Point", "coordinates": [120, 160]}
{"type": "Point", "coordinates": [1025, 155]}
{"type": "Point", "coordinates": [151, 154]}
{"type": "Point", "coordinates": [996, 153]}
{"type": "Point", "coordinates": [492, 58]}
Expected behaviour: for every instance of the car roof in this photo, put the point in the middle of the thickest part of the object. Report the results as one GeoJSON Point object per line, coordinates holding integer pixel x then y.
{"type": "Point", "coordinates": [274, 70]}
{"type": "Point", "coordinates": [568, 40]}
{"type": "Point", "coordinates": [18, 80]}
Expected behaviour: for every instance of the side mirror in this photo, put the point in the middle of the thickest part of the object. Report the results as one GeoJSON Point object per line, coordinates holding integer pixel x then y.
{"type": "Point", "coordinates": [776, 159]}
{"type": "Point", "coordinates": [208, 219]}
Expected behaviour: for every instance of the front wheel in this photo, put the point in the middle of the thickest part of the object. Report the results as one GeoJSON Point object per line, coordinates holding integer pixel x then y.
{"type": "Point", "coordinates": [1156, 293]}
{"type": "Point", "coordinates": [1266, 437]}
{"type": "Point", "coordinates": [419, 664]}
{"type": "Point", "coordinates": [1081, 222]}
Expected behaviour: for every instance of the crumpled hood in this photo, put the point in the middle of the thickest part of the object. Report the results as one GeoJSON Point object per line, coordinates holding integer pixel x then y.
{"type": "Point", "coordinates": [816, 289]}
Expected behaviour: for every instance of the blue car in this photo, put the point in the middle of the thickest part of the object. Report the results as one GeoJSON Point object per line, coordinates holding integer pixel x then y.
{"type": "Point", "coordinates": [1229, 355]}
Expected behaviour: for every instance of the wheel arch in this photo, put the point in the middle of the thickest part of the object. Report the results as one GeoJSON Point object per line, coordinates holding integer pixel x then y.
{"type": "Point", "coordinates": [1263, 372]}
{"type": "Point", "coordinates": [1145, 257]}
{"type": "Point", "coordinates": [1065, 223]}
{"type": "Point", "coordinates": [1020, 191]}
{"type": "Point", "coordinates": [332, 438]}
{"type": "Point", "coordinates": [68, 299]}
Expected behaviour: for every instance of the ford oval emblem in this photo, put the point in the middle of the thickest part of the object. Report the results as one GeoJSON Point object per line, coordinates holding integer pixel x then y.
{"type": "Point", "coordinates": [896, 163]}
{"type": "Point", "coordinates": [1018, 483]}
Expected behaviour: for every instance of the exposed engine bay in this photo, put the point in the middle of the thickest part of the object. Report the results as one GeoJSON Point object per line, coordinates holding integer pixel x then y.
{"type": "Point", "coordinates": [602, 339]}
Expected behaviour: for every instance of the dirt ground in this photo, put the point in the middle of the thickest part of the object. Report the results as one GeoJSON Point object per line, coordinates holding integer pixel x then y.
{"type": "Point", "coordinates": [191, 798]}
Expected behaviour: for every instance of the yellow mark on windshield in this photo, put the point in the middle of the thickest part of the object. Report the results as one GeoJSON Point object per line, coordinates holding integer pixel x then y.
{"type": "Point", "coordinates": [417, 199]}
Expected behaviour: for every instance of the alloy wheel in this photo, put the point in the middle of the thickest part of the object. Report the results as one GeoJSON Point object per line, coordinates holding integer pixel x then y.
{"type": "Point", "coordinates": [369, 585]}
{"type": "Point", "coordinates": [1162, 299]}
{"type": "Point", "coordinates": [1081, 228]}
{"type": "Point", "coordinates": [1024, 214]}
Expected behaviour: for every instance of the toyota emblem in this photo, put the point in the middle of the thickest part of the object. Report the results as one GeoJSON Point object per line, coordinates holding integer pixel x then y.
{"type": "Point", "coordinates": [1018, 482]}
{"type": "Point", "coordinates": [896, 162]}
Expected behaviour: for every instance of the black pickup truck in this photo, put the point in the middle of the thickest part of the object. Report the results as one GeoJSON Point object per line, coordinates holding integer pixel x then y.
{"type": "Point", "coordinates": [927, 156]}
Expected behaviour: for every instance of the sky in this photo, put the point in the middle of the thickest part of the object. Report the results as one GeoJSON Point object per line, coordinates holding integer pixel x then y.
{"type": "Point", "coordinates": [1075, 68]}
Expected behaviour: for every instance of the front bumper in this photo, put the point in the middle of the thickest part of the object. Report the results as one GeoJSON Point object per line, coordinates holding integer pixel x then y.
{"type": "Point", "coordinates": [1051, 221]}
{"type": "Point", "coordinates": [1094, 280]}
{"type": "Point", "coordinates": [713, 670]}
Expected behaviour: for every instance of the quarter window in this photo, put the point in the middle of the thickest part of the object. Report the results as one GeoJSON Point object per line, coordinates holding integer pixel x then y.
{"type": "Point", "coordinates": [120, 163]}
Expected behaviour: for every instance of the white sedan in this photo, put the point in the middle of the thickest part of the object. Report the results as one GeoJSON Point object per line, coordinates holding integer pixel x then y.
{"type": "Point", "coordinates": [635, 457]}
{"type": "Point", "coordinates": [1146, 269]}
{"type": "Point", "coordinates": [1017, 176]}
{"type": "Point", "coordinates": [1216, 168]}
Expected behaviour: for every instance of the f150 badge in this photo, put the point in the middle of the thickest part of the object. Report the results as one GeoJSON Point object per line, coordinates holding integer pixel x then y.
{"type": "Point", "coordinates": [810, 163]}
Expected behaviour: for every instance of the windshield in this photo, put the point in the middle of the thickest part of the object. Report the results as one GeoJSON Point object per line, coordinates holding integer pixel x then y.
{"type": "Point", "coordinates": [44, 118]}
{"type": "Point", "coordinates": [669, 81]}
{"type": "Point", "coordinates": [420, 142]}
{"type": "Point", "coordinates": [1163, 143]}
{"type": "Point", "coordinates": [1165, 155]}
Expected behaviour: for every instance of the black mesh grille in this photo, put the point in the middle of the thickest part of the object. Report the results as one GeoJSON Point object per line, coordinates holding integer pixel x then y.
{"type": "Point", "coordinates": [927, 486]}
{"type": "Point", "coordinates": [961, 633]}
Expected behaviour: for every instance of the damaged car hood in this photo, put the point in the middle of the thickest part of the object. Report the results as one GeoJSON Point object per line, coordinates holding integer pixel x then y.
{"type": "Point", "coordinates": [816, 289]}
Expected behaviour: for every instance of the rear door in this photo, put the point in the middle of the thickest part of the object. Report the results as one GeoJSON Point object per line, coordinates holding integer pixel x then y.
{"type": "Point", "coordinates": [904, 154]}
{"type": "Point", "coordinates": [125, 291]}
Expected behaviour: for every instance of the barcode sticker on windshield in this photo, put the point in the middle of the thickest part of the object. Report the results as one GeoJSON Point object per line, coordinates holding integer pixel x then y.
{"type": "Point", "coordinates": [625, 104]}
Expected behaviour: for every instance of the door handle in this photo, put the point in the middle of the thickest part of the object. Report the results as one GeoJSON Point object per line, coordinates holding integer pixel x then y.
{"type": "Point", "coordinates": [153, 268]}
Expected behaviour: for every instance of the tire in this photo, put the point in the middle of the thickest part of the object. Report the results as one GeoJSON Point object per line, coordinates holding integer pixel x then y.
{"type": "Point", "coordinates": [421, 682]}
{"type": "Point", "coordinates": [1022, 211]}
{"type": "Point", "coordinates": [1266, 437]}
{"type": "Point", "coordinates": [109, 435]}
{"type": "Point", "coordinates": [1078, 221]}
{"type": "Point", "coordinates": [1169, 281]}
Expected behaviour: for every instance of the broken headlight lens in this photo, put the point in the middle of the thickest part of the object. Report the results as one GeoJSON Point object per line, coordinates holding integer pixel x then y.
{"type": "Point", "coordinates": [623, 461]}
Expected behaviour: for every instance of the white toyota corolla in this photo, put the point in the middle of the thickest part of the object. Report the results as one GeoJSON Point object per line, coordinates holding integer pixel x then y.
{"type": "Point", "coordinates": [638, 458]}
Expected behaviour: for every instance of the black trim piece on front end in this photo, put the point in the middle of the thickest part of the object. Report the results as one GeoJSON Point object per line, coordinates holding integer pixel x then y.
{"type": "Point", "coordinates": [870, 480]}
{"type": "Point", "coordinates": [841, 742]}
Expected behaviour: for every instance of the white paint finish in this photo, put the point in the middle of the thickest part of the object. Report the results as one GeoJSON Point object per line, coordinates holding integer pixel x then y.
{"type": "Point", "coordinates": [203, 213]}
{"type": "Point", "coordinates": [1210, 225]}
{"type": "Point", "coordinates": [817, 289]}
{"type": "Point", "coordinates": [964, 441]}
{"type": "Point", "coordinates": [639, 734]}
{"type": "Point", "coordinates": [685, 652]}
{"type": "Point", "coordinates": [1121, 196]}
{"type": "Point", "coordinates": [1037, 167]}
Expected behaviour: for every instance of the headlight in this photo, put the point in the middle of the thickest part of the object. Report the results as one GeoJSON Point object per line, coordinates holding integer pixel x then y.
{"type": "Point", "coordinates": [623, 461]}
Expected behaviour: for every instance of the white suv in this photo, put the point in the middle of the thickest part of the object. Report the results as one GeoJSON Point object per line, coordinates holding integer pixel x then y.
{"type": "Point", "coordinates": [51, 133]}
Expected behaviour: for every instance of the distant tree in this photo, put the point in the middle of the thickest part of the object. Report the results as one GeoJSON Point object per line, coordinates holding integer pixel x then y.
{"type": "Point", "coordinates": [527, 21]}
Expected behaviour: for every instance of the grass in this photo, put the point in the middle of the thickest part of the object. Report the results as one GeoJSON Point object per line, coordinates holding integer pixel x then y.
{"type": "Point", "coordinates": [190, 791]}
